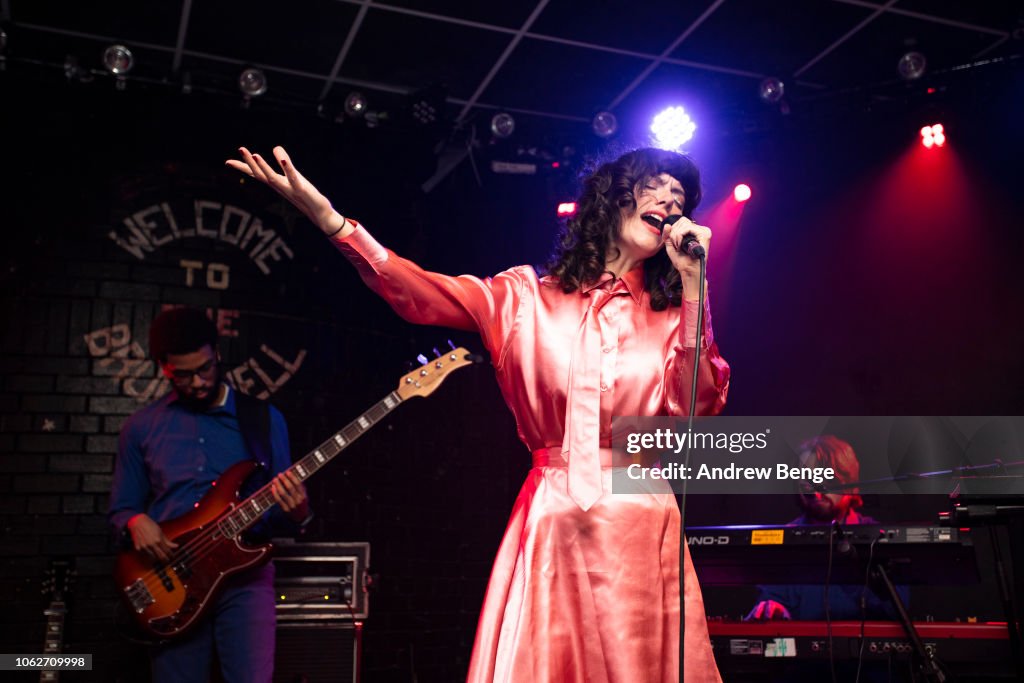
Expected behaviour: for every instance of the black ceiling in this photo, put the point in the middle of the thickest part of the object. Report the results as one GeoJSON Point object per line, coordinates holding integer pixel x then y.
{"type": "Point", "coordinates": [550, 59]}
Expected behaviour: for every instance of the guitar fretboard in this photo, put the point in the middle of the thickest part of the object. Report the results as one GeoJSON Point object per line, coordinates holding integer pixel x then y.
{"type": "Point", "coordinates": [54, 638]}
{"type": "Point", "coordinates": [250, 510]}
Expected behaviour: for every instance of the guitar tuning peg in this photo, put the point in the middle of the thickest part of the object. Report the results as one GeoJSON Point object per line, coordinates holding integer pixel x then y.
{"type": "Point", "coordinates": [451, 345]}
{"type": "Point", "coordinates": [422, 359]}
{"type": "Point", "coordinates": [436, 352]}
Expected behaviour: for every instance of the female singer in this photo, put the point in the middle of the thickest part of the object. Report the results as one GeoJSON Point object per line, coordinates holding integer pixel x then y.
{"type": "Point", "coordinates": [585, 587]}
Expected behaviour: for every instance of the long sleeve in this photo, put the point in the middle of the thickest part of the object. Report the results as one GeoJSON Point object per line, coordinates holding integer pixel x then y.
{"type": "Point", "coordinates": [130, 492]}
{"type": "Point", "coordinates": [712, 374]}
{"type": "Point", "coordinates": [464, 302]}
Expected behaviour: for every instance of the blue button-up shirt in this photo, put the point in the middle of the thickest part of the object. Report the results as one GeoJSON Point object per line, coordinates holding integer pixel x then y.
{"type": "Point", "coordinates": [169, 455]}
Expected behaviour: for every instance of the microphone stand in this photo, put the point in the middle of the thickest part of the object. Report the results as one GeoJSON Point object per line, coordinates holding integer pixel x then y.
{"type": "Point", "coordinates": [927, 663]}
{"type": "Point", "coordinates": [701, 256]}
{"type": "Point", "coordinates": [992, 510]}
{"type": "Point", "coordinates": [962, 472]}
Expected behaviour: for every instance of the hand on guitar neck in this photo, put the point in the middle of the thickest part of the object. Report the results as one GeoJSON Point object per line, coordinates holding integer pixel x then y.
{"type": "Point", "coordinates": [290, 493]}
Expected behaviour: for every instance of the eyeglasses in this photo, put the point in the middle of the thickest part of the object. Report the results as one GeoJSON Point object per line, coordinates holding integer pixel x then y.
{"type": "Point", "coordinates": [180, 376]}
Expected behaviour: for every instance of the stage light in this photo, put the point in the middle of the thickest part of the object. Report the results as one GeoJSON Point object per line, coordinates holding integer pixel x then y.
{"type": "Point", "coordinates": [355, 104]}
{"type": "Point", "coordinates": [771, 90]}
{"type": "Point", "coordinates": [118, 60]}
{"type": "Point", "coordinates": [741, 193]}
{"type": "Point", "coordinates": [933, 136]}
{"type": "Point", "coordinates": [912, 66]}
{"type": "Point", "coordinates": [672, 128]}
{"type": "Point", "coordinates": [604, 124]}
{"type": "Point", "coordinates": [252, 82]}
{"type": "Point", "coordinates": [423, 113]}
{"type": "Point", "coordinates": [566, 209]}
{"type": "Point", "coordinates": [502, 125]}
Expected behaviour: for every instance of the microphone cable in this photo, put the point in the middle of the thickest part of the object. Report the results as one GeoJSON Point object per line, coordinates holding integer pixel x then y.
{"type": "Point", "coordinates": [833, 530]}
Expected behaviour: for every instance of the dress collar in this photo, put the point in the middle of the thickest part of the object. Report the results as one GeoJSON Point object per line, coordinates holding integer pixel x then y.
{"type": "Point", "coordinates": [631, 283]}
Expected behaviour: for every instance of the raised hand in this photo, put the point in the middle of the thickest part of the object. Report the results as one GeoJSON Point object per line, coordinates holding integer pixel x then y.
{"type": "Point", "coordinates": [291, 185]}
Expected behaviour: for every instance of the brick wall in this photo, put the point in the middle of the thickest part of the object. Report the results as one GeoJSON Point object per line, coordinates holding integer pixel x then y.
{"type": "Point", "coordinates": [73, 364]}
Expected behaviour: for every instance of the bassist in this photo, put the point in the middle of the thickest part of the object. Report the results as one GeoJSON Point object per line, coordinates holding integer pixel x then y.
{"type": "Point", "coordinates": [169, 454]}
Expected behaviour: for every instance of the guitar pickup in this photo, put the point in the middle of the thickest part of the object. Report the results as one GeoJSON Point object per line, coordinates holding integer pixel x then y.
{"type": "Point", "coordinates": [139, 596]}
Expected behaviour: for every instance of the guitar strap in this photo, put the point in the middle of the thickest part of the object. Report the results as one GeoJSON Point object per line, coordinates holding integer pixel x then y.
{"type": "Point", "coordinates": [254, 423]}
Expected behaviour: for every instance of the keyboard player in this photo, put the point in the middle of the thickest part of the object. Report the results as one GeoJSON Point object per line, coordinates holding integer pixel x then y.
{"type": "Point", "coordinates": [807, 602]}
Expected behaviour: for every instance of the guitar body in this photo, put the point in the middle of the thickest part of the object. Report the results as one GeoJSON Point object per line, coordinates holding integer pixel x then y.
{"type": "Point", "coordinates": [168, 599]}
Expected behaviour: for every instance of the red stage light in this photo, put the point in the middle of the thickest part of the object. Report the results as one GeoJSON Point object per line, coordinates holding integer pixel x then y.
{"type": "Point", "coordinates": [741, 193]}
{"type": "Point", "coordinates": [933, 135]}
{"type": "Point", "coordinates": [567, 209]}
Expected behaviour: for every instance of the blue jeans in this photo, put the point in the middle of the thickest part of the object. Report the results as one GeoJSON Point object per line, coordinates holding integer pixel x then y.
{"type": "Point", "coordinates": [240, 626]}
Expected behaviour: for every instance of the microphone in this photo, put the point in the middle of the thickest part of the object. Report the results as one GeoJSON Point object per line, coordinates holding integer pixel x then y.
{"type": "Point", "coordinates": [690, 244]}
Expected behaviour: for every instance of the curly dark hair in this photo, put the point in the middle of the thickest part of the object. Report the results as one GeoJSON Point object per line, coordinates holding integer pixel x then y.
{"type": "Point", "coordinates": [583, 243]}
{"type": "Point", "coordinates": [179, 331]}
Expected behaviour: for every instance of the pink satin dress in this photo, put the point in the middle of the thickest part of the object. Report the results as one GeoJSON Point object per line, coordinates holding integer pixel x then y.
{"type": "Point", "coordinates": [575, 595]}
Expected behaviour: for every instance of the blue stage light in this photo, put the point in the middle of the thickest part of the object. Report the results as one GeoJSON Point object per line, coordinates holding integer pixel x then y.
{"type": "Point", "coordinates": [672, 128]}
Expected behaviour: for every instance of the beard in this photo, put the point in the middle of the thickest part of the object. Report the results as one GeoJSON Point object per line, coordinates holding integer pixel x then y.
{"type": "Point", "coordinates": [201, 403]}
{"type": "Point", "coordinates": [822, 510]}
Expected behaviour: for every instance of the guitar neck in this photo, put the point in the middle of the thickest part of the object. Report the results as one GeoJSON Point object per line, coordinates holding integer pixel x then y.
{"type": "Point", "coordinates": [252, 508]}
{"type": "Point", "coordinates": [54, 639]}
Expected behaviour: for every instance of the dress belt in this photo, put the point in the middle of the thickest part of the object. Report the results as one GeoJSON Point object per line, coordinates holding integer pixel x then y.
{"type": "Point", "coordinates": [552, 457]}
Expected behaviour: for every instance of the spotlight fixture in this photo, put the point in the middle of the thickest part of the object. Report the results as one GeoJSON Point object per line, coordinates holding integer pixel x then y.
{"type": "Point", "coordinates": [355, 104]}
{"type": "Point", "coordinates": [252, 82]}
{"type": "Point", "coordinates": [933, 136]}
{"type": "Point", "coordinates": [424, 113]}
{"type": "Point", "coordinates": [566, 209]}
{"type": "Point", "coordinates": [604, 124]}
{"type": "Point", "coordinates": [502, 125]}
{"type": "Point", "coordinates": [741, 192]}
{"type": "Point", "coordinates": [672, 128]}
{"type": "Point", "coordinates": [118, 60]}
{"type": "Point", "coordinates": [425, 108]}
{"type": "Point", "coordinates": [771, 90]}
{"type": "Point", "coordinates": [912, 66]}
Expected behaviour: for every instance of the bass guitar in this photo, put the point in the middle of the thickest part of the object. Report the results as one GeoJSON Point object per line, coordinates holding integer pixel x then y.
{"type": "Point", "coordinates": [167, 598]}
